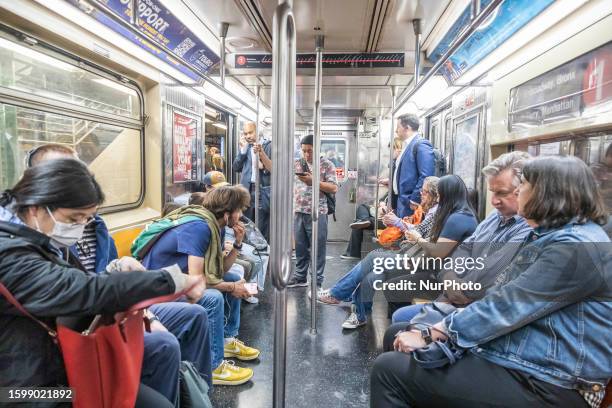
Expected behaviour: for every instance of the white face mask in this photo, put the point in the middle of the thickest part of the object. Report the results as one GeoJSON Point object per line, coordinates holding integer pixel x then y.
{"type": "Point", "coordinates": [64, 234]}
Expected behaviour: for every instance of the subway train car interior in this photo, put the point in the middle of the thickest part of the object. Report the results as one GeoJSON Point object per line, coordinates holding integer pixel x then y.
{"type": "Point", "coordinates": [165, 242]}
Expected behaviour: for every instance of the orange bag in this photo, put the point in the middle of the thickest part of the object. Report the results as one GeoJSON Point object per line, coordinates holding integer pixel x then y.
{"type": "Point", "coordinates": [417, 217]}
{"type": "Point", "coordinates": [389, 235]}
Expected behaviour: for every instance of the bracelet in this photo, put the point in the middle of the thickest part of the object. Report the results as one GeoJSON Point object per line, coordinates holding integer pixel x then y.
{"type": "Point", "coordinates": [236, 246]}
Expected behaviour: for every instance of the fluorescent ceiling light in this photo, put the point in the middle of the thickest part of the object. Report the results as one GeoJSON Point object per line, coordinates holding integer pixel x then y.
{"type": "Point", "coordinates": [220, 125]}
{"type": "Point", "coordinates": [210, 111]}
{"type": "Point", "coordinates": [35, 56]}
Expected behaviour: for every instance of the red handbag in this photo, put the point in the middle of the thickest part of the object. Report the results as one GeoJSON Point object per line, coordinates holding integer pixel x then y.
{"type": "Point", "coordinates": [102, 365]}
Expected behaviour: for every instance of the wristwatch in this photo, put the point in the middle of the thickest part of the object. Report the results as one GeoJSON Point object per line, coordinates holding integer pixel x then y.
{"type": "Point", "coordinates": [426, 335]}
{"type": "Point", "coordinates": [238, 247]}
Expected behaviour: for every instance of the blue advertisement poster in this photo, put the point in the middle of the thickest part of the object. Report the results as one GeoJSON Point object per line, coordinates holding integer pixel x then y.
{"type": "Point", "coordinates": [151, 26]}
{"type": "Point", "coordinates": [506, 20]}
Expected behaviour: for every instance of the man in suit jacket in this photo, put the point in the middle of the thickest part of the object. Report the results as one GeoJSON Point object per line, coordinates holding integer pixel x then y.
{"type": "Point", "coordinates": [245, 164]}
{"type": "Point", "coordinates": [415, 162]}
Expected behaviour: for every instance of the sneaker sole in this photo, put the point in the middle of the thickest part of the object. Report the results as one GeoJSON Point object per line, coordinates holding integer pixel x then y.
{"type": "Point", "coordinates": [298, 285]}
{"type": "Point", "coordinates": [329, 304]}
{"type": "Point", "coordinates": [349, 257]}
{"type": "Point", "coordinates": [353, 327]}
{"type": "Point", "coordinates": [235, 382]}
{"type": "Point", "coordinates": [241, 358]}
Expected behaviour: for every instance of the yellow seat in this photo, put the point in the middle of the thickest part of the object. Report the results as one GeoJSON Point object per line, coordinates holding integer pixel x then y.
{"type": "Point", "coordinates": [124, 238]}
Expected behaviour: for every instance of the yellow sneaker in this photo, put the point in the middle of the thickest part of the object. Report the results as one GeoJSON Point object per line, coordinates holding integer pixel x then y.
{"type": "Point", "coordinates": [230, 374]}
{"type": "Point", "coordinates": [239, 350]}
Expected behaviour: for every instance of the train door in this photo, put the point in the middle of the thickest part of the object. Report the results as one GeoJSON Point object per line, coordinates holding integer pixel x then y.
{"type": "Point", "coordinates": [469, 140]}
{"type": "Point", "coordinates": [336, 147]}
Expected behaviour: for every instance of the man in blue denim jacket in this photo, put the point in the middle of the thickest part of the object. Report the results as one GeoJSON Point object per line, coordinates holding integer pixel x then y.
{"type": "Point", "coordinates": [541, 337]}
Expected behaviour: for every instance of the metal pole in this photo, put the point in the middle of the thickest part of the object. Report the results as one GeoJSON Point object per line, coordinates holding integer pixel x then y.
{"type": "Point", "coordinates": [316, 175]}
{"type": "Point", "coordinates": [390, 188]}
{"type": "Point", "coordinates": [454, 46]}
{"type": "Point", "coordinates": [475, 9]}
{"type": "Point", "coordinates": [257, 101]}
{"type": "Point", "coordinates": [283, 126]}
{"type": "Point", "coordinates": [416, 24]}
{"type": "Point", "coordinates": [223, 27]}
{"type": "Point", "coordinates": [377, 199]}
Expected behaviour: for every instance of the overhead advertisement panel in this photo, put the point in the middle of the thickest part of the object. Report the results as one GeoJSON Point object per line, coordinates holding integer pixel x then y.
{"type": "Point", "coordinates": [564, 92]}
{"type": "Point", "coordinates": [154, 28]}
{"type": "Point", "coordinates": [506, 20]}
{"type": "Point", "coordinates": [335, 60]}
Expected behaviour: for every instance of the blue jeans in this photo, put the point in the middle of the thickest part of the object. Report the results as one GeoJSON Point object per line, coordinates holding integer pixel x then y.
{"type": "Point", "coordinates": [406, 313]}
{"type": "Point", "coordinates": [189, 324]}
{"type": "Point", "coordinates": [302, 228]}
{"type": "Point", "coordinates": [161, 363]}
{"type": "Point", "coordinates": [358, 285]}
{"type": "Point", "coordinates": [212, 302]}
{"type": "Point", "coordinates": [232, 308]}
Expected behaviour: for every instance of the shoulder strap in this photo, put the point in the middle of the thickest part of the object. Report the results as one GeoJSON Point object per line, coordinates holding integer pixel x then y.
{"type": "Point", "coordinates": [11, 299]}
{"type": "Point", "coordinates": [415, 151]}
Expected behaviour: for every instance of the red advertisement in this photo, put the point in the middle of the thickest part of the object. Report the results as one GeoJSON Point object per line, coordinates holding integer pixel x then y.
{"type": "Point", "coordinates": [184, 137]}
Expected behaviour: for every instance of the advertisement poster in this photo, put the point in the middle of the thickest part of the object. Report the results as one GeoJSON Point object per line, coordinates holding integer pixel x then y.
{"type": "Point", "coordinates": [184, 148]}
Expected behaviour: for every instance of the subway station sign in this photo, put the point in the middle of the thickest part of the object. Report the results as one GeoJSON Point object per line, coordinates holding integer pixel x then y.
{"type": "Point", "coordinates": [151, 26]}
{"type": "Point", "coordinates": [332, 60]}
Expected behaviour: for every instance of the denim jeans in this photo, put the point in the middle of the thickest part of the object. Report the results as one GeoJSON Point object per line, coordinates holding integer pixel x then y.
{"type": "Point", "coordinates": [161, 363]}
{"type": "Point", "coordinates": [212, 302]}
{"type": "Point", "coordinates": [406, 313]}
{"type": "Point", "coordinates": [302, 225]}
{"type": "Point", "coordinates": [231, 308]}
{"type": "Point", "coordinates": [189, 324]}
{"type": "Point", "coordinates": [358, 284]}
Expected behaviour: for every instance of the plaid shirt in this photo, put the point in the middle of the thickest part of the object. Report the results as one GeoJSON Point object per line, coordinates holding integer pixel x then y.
{"type": "Point", "coordinates": [302, 193]}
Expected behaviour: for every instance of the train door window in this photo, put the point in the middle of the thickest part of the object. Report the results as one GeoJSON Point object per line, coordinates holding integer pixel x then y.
{"type": "Point", "coordinates": [447, 145]}
{"type": "Point", "coordinates": [434, 132]}
{"type": "Point", "coordinates": [465, 150]}
{"type": "Point", "coordinates": [597, 154]}
{"type": "Point", "coordinates": [71, 102]}
{"type": "Point", "coordinates": [549, 149]}
{"type": "Point", "coordinates": [215, 141]}
{"type": "Point", "coordinates": [334, 150]}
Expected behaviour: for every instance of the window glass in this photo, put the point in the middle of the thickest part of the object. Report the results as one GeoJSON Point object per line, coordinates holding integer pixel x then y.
{"type": "Point", "coordinates": [447, 139]}
{"type": "Point", "coordinates": [433, 137]}
{"type": "Point", "coordinates": [334, 151]}
{"type": "Point", "coordinates": [465, 150]}
{"type": "Point", "coordinates": [215, 141]}
{"type": "Point", "coordinates": [597, 153]}
{"type": "Point", "coordinates": [112, 153]}
{"type": "Point", "coordinates": [25, 69]}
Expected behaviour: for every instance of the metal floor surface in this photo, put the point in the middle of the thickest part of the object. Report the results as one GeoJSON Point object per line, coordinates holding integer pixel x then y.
{"type": "Point", "coordinates": [330, 369]}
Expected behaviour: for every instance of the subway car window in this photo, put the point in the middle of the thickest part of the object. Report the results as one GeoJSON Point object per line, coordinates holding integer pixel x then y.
{"type": "Point", "coordinates": [334, 151]}
{"type": "Point", "coordinates": [111, 152]}
{"type": "Point", "coordinates": [27, 70]}
{"type": "Point", "coordinates": [464, 146]}
{"type": "Point", "coordinates": [596, 152]}
{"type": "Point", "coordinates": [215, 141]}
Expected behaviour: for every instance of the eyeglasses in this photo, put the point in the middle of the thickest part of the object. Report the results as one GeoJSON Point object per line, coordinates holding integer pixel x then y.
{"type": "Point", "coordinates": [73, 223]}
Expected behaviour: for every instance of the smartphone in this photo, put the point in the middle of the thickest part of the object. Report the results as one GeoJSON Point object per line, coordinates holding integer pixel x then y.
{"type": "Point", "coordinates": [251, 287]}
{"type": "Point", "coordinates": [300, 174]}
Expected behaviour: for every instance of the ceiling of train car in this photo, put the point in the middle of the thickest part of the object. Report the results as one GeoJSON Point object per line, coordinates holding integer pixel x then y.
{"type": "Point", "coordinates": [348, 26]}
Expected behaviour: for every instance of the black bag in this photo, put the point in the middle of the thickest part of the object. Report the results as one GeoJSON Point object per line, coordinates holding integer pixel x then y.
{"type": "Point", "coordinates": [193, 389]}
{"type": "Point", "coordinates": [439, 159]}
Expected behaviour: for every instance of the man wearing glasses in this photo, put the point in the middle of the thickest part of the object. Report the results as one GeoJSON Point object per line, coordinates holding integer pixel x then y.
{"type": "Point", "coordinates": [254, 158]}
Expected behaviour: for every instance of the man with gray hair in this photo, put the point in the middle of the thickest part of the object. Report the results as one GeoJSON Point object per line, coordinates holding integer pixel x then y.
{"type": "Point", "coordinates": [495, 241]}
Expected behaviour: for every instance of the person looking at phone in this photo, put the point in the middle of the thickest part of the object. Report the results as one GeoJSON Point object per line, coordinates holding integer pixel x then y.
{"type": "Point", "coordinates": [302, 220]}
{"type": "Point", "coordinates": [253, 157]}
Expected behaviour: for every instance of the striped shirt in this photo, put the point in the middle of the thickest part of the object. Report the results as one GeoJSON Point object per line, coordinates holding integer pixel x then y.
{"type": "Point", "coordinates": [86, 248]}
{"type": "Point", "coordinates": [496, 240]}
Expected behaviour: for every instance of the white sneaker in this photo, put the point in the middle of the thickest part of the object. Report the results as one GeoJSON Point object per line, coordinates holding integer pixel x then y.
{"type": "Point", "coordinates": [252, 300]}
{"type": "Point", "coordinates": [345, 256]}
{"type": "Point", "coordinates": [353, 322]}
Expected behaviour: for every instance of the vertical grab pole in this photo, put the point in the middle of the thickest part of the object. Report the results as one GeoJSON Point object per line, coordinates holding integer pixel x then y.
{"type": "Point", "coordinates": [376, 199]}
{"type": "Point", "coordinates": [316, 173]}
{"type": "Point", "coordinates": [223, 27]}
{"type": "Point", "coordinates": [283, 125]}
{"type": "Point", "coordinates": [257, 101]}
{"type": "Point", "coordinates": [390, 187]}
{"type": "Point", "coordinates": [416, 24]}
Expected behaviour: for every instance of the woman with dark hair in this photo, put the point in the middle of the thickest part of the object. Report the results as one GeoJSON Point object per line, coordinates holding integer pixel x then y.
{"type": "Point", "coordinates": [454, 220]}
{"type": "Point", "coordinates": [541, 336]}
{"type": "Point", "coordinates": [45, 212]}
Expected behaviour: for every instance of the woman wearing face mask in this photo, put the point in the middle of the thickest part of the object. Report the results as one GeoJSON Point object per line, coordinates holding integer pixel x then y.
{"type": "Point", "coordinates": [44, 212]}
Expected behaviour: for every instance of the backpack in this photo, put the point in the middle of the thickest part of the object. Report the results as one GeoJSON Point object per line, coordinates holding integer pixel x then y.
{"type": "Point", "coordinates": [153, 231]}
{"type": "Point", "coordinates": [253, 236]}
{"type": "Point", "coordinates": [439, 159]}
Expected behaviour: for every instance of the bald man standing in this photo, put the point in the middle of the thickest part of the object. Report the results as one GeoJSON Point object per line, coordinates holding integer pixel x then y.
{"type": "Point", "coordinates": [245, 163]}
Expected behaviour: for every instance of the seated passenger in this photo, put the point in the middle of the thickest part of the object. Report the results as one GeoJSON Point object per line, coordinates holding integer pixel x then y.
{"type": "Point", "coordinates": [44, 213]}
{"type": "Point", "coordinates": [357, 284]}
{"type": "Point", "coordinates": [179, 331]}
{"type": "Point", "coordinates": [496, 239]}
{"type": "Point", "coordinates": [540, 337]}
{"type": "Point", "coordinates": [196, 246]}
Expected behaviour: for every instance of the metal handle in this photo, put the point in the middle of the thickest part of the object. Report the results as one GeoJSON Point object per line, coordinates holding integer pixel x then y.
{"type": "Point", "coordinates": [390, 186]}
{"type": "Point", "coordinates": [283, 119]}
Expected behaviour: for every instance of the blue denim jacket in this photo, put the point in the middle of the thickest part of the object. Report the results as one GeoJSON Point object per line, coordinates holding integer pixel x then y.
{"type": "Point", "coordinates": [551, 313]}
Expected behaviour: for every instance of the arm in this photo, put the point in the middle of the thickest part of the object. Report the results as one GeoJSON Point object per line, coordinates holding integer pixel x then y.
{"type": "Point", "coordinates": [264, 155]}
{"type": "Point", "coordinates": [441, 249]}
{"type": "Point", "coordinates": [425, 168]}
{"type": "Point", "coordinates": [45, 288]}
{"type": "Point", "coordinates": [570, 276]}
{"type": "Point", "coordinates": [240, 158]}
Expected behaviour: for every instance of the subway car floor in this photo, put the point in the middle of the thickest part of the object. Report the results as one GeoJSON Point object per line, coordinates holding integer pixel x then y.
{"type": "Point", "coordinates": [330, 369]}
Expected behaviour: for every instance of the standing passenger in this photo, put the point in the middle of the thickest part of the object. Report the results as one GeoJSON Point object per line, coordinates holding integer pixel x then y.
{"type": "Point", "coordinates": [302, 220]}
{"type": "Point", "coordinates": [245, 163]}
{"type": "Point", "coordinates": [415, 162]}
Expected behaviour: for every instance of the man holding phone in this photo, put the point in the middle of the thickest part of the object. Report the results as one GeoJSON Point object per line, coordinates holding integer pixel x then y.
{"type": "Point", "coordinates": [302, 220]}
{"type": "Point", "coordinates": [254, 157]}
